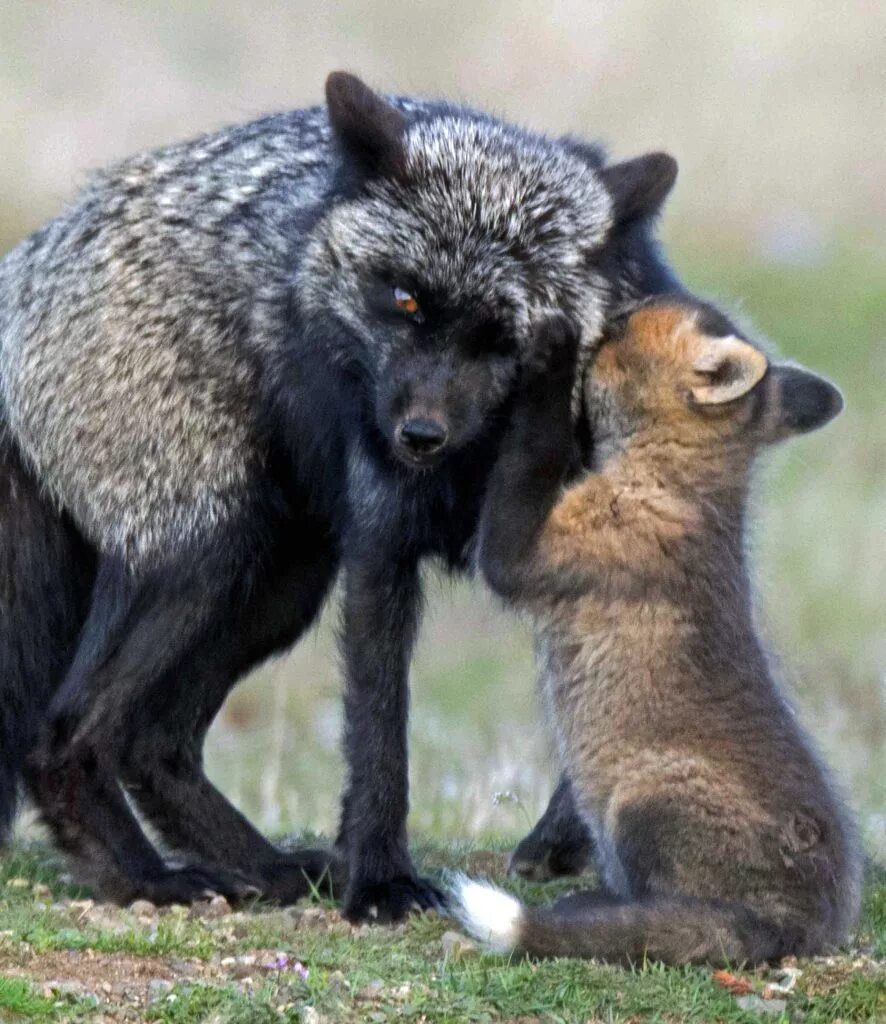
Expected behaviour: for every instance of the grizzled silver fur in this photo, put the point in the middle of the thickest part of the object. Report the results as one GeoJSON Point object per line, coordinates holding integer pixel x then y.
{"type": "Point", "coordinates": [494, 218]}
{"type": "Point", "coordinates": [132, 326]}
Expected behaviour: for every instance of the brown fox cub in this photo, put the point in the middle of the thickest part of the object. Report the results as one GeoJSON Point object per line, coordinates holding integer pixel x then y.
{"type": "Point", "coordinates": [718, 833]}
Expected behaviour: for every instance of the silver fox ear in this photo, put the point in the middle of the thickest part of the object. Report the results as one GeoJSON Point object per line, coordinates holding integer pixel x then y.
{"type": "Point", "coordinates": [368, 127]}
{"type": "Point", "coordinates": [638, 187]}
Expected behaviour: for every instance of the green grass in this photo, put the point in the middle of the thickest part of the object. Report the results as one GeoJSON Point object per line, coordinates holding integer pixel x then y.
{"type": "Point", "coordinates": [19, 1001]}
{"type": "Point", "coordinates": [368, 974]}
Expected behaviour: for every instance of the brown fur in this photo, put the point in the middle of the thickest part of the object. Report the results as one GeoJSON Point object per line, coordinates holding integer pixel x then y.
{"type": "Point", "coordinates": [718, 831]}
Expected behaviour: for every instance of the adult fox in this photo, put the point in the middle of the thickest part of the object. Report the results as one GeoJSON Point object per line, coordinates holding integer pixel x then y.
{"type": "Point", "coordinates": [229, 370]}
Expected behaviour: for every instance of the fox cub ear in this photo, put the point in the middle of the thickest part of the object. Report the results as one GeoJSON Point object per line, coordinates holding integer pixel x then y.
{"type": "Point", "coordinates": [367, 127]}
{"type": "Point", "coordinates": [726, 368]}
{"type": "Point", "coordinates": [638, 187]}
{"type": "Point", "coordinates": [800, 401]}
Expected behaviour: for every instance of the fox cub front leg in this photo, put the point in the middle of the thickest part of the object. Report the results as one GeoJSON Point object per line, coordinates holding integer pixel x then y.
{"type": "Point", "coordinates": [536, 453]}
{"type": "Point", "coordinates": [539, 539]}
{"type": "Point", "coordinates": [560, 844]}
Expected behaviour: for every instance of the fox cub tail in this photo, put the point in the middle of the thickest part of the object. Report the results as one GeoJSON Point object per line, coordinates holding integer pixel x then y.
{"type": "Point", "coordinates": [674, 930]}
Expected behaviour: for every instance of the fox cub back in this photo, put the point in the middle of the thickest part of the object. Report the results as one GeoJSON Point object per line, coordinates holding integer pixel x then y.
{"type": "Point", "coordinates": [718, 833]}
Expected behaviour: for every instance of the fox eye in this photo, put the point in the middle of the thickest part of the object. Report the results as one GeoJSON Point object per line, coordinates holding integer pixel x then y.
{"type": "Point", "coordinates": [406, 302]}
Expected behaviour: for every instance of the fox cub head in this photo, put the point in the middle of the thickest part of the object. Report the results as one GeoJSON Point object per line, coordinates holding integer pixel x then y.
{"type": "Point", "coordinates": [675, 374]}
{"type": "Point", "coordinates": [448, 234]}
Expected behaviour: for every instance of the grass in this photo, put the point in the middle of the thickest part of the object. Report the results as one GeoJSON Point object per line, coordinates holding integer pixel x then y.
{"type": "Point", "coordinates": [18, 1000]}
{"type": "Point", "coordinates": [62, 958]}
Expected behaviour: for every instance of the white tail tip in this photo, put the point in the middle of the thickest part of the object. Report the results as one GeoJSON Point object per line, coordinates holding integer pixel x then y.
{"type": "Point", "coordinates": [488, 913]}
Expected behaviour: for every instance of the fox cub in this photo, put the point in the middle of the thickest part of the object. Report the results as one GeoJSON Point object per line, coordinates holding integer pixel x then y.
{"type": "Point", "coordinates": [719, 835]}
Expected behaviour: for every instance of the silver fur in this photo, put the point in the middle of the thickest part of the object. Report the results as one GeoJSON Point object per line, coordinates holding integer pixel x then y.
{"type": "Point", "coordinates": [133, 327]}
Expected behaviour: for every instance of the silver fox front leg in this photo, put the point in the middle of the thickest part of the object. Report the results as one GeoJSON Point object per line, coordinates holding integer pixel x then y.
{"type": "Point", "coordinates": [381, 611]}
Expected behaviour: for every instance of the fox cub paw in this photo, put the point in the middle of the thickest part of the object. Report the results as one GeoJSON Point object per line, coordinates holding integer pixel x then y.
{"type": "Point", "coordinates": [540, 858]}
{"type": "Point", "coordinates": [554, 352]}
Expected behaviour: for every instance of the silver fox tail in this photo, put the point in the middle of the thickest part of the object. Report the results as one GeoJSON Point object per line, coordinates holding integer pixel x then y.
{"type": "Point", "coordinates": [45, 574]}
{"type": "Point", "coordinates": [673, 930]}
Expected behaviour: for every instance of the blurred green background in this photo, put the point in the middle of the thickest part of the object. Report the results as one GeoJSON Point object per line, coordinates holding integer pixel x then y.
{"type": "Point", "coordinates": [776, 112]}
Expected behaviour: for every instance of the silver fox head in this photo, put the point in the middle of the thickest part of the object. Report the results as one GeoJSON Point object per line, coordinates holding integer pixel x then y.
{"type": "Point", "coordinates": [454, 233]}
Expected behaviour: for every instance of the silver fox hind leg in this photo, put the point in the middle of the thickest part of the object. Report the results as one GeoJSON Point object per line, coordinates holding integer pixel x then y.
{"type": "Point", "coordinates": [46, 573]}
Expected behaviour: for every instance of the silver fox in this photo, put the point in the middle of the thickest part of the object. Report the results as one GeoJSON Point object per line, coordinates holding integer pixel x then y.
{"type": "Point", "coordinates": [228, 369]}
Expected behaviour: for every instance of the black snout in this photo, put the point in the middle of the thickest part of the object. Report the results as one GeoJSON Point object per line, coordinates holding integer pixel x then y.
{"type": "Point", "coordinates": [422, 437]}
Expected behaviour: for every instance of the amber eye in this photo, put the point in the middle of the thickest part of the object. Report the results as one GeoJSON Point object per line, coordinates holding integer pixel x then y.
{"type": "Point", "coordinates": [405, 302]}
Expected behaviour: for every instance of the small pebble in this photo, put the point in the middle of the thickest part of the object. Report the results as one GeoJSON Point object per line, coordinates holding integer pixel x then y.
{"type": "Point", "coordinates": [337, 982]}
{"type": "Point", "coordinates": [457, 945]}
{"type": "Point", "coordinates": [244, 967]}
{"type": "Point", "coordinates": [107, 919]}
{"type": "Point", "coordinates": [62, 988]}
{"type": "Point", "coordinates": [758, 1005]}
{"type": "Point", "coordinates": [373, 990]}
{"type": "Point", "coordinates": [142, 908]}
{"type": "Point", "coordinates": [785, 985]}
{"type": "Point", "coordinates": [218, 907]}
{"type": "Point", "coordinates": [158, 989]}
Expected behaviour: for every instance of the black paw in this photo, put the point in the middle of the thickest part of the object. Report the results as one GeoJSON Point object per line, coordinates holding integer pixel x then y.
{"type": "Point", "coordinates": [540, 859]}
{"type": "Point", "coordinates": [303, 873]}
{"type": "Point", "coordinates": [385, 902]}
{"type": "Point", "coordinates": [193, 883]}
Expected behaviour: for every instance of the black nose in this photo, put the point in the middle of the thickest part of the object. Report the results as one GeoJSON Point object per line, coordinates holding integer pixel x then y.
{"type": "Point", "coordinates": [422, 436]}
